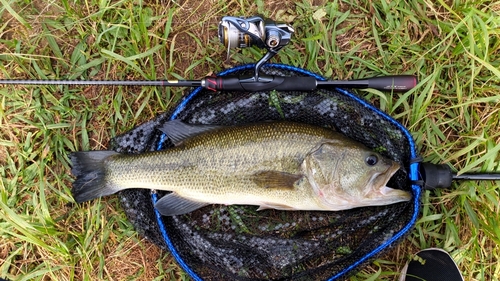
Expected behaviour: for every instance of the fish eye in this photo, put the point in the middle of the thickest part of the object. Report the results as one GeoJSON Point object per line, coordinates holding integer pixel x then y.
{"type": "Point", "coordinates": [371, 160]}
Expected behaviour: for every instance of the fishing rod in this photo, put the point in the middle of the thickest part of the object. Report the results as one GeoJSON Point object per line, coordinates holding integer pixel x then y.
{"type": "Point", "coordinates": [237, 32]}
{"type": "Point", "coordinates": [396, 83]}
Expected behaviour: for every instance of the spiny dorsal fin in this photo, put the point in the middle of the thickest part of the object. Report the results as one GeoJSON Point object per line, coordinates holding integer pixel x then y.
{"type": "Point", "coordinates": [179, 131]}
{"type": "Point", "coordinates": [275, 179]}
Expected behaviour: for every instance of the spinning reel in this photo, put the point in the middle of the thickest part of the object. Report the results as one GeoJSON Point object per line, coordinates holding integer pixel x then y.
{"type": "Point", "coordinates": [236, 32]}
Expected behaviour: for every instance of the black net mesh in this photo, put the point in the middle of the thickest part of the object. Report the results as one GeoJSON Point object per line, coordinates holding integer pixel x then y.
{"type": "Point", "coordinates": [238, 242]}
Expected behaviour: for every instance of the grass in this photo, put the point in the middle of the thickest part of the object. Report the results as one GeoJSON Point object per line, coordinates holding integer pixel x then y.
{"type": "Point", "coordinates": [454, 115]}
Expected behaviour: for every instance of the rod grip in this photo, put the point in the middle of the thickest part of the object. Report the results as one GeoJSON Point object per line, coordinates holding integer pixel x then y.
{"type": "Point", "coordinates": [269, 83]}
{"type": "Point", "coordinates": [396, 83]}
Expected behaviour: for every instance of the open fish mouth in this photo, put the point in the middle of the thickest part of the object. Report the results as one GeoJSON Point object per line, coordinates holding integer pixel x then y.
{"type": "Point", "coordinates": [397, 194]}
{"type": "Point", "coordinates": [383, 194]}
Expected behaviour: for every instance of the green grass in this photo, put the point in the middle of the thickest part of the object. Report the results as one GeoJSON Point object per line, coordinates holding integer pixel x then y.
{"type": "Point", "coordinates": [454, 115]}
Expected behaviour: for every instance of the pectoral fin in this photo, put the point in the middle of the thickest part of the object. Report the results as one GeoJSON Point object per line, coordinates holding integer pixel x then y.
{"type": "Point", "coordinates": [275, 179]}
{"type": "Point", "coordinates": [173, 204]}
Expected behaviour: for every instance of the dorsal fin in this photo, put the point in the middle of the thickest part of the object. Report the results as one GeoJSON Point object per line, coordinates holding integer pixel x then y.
{"type": "Point", "coordinates": [179, 131]}
{"type": "Point", "coordinates": [275, 179]}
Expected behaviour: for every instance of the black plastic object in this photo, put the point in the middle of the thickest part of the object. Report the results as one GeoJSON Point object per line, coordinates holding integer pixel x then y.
{"type": "Point", "coordinates": [239, 243]}
{"type": "Point", "coordinates": [432, 265]}
{"type": "Point", "coordinates": [441, 176]}
{"type": "Point", "coordinates": [436, 175]}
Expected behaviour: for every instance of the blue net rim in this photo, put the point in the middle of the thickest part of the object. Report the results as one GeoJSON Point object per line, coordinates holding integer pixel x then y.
{"type": "Point", "coordinates": [413, 170]}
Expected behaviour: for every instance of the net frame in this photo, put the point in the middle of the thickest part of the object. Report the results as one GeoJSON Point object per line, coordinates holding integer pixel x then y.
{"type": "Point", "coordinates": [412, 172]}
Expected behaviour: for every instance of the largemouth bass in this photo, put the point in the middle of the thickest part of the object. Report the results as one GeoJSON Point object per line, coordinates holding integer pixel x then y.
{"type": "Point", "coordinates": [280, 165]}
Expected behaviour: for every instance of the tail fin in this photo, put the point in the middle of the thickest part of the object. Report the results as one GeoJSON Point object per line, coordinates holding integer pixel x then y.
{"type": "Point", "coordinates": [90, 172]}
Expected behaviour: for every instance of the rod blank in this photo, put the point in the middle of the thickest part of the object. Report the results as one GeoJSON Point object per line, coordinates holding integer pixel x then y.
{"type": "Point", "coordinates": [165, 83]}
{"type": "Point", "coordinates": [485, 176]}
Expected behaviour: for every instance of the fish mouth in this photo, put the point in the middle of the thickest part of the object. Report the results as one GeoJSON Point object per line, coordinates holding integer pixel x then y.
{"type": "Point", "coordinates": [383, 194]}
{"type": "Point", "coordinates": [397, 195]}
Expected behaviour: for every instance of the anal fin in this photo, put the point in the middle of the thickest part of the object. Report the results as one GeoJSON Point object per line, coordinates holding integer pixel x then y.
{"type": "Point", "coordinates": [173, 204]}
{"type": "Point", "coordinates": [267, 205]}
